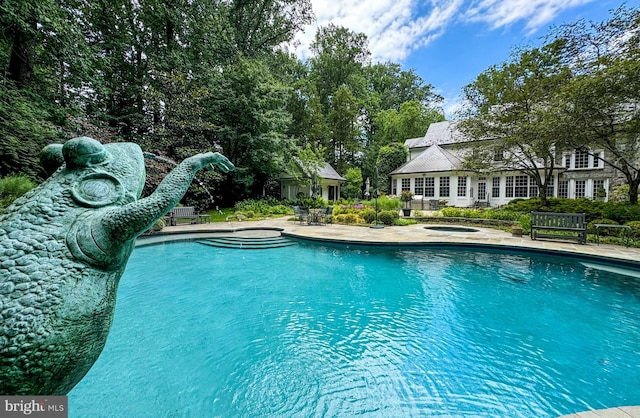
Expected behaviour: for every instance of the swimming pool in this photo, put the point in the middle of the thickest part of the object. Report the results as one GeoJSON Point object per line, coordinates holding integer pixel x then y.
{"type": "Point", "coordinates": [336, 330]}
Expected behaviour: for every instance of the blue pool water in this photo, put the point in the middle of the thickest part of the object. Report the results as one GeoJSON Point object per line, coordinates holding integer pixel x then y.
{"type": "Point", "coordinates": [321, 330]}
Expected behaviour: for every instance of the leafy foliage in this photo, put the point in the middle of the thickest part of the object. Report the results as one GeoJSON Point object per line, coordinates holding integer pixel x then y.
{"type": "Point", "coordinates": [352, 188]}
{"type": "Point", "coordinates": [390, 157]}
{"type": "Point", "coordinates": [12, 187]}
{"type": "Point", "coordinates": [388, 217]}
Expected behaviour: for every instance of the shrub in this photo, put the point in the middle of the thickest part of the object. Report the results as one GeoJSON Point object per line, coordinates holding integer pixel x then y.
{"type": "Point", "coordinates": [635, 226]}
{"type": "Point", "coordinates": [346, 218]}
{"type": "Point", "coordinates": [461, 212]}
{"type": "Point", "coordinates": [405, 222]}
{"type": "Point", "coordinates": [622, 212]}
{"type": "Point", "coordinates": [591, 229]}
{"type": "Point", "coordinates": [369, 215]}
{"type": "Point", "coordinates": [388, 217]}
{"type": "Point", "coordinates": [406, 195]}
{"type": "Point", "coordinates": [12, 187]}
{"type": "Point", "coordinates": [388, 203]}
{"type": "Point", "coordinates": [280, 210]}
{"type": "Point", "coordinates": [344, 209]}
{"type": "Point", "coordinates": [159, 225]}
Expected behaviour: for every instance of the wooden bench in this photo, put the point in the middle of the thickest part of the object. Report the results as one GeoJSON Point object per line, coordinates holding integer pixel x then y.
{"type": "Point", "coordinates": [573, 224]}
{"type": "Point", "coordinates": [186, 212]}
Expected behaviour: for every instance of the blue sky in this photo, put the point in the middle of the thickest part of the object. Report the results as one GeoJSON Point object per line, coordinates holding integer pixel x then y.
{"type": "Point", "coordinates": [450, 42]}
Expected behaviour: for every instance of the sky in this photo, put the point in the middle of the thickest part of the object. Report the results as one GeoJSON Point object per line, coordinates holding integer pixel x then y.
{"type": "Point", "coordinates": [450, 42]}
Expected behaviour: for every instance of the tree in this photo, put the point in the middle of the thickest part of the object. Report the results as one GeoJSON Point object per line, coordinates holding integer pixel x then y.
{"type": "Point", "coordinates": [603, 99]}
{"type": "Point", "coordinates": [411, 121]}
{"type": "Point", "coordinates": [338, 57]}
{"type": "Point", "coordinates": [389, 87]}
{"type": "Point", "coordinates": [306, 166]}
{"type": "Point", "coordinates": [390, 157]}
{"type": "Point", "coordinates": [516, 107]}
{"type": "Point", "coordinates": [345, 135]}
{"type": "Point", "coordinates": [258, 26]}
{"type": "Point", "coordinates": [352, 188]}
{"type": "Point", "coordinates": [249, 109]}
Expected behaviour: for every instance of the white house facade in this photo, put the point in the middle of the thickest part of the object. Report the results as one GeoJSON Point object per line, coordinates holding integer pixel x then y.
{"type": "Point", "coordinates": [434, 173]}
{"type": "Point", "coordinates": [328, 185]}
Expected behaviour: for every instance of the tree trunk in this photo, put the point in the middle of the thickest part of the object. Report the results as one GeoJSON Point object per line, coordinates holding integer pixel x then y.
{"type": "Point", "coordinates": [21, 62]}
{"type": "Point", "coordinates": [633, 190]}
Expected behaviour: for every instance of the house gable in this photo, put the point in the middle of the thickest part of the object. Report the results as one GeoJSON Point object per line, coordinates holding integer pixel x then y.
{"type": "Point", "coordinates": [433, 159]}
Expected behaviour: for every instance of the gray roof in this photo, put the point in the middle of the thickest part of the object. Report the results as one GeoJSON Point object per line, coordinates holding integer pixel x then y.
{"type": "Point", "coordinates": [328, 172]}
{"type": "Point", "coordinates": [433, 159]}
{"type": "Point", "coordinates": [439, 133]}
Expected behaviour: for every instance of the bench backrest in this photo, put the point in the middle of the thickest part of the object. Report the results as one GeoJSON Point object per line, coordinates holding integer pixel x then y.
{"type": "Point", "coordinates": [181, 211]}
{"type": "Point", "coordinates": [561, 220]}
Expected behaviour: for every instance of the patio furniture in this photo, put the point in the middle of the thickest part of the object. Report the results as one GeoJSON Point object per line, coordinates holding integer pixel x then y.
{"type": "Point", "coordinates": [569, 223]}
{"type": "Point", "coordinates": [328, 216]}
{"type": "Point", "coordinates": [186, 212]}
{"type": "Point", "coordinates": [626, 234]}
{"type": "Point", "coordinates": [303, 215]}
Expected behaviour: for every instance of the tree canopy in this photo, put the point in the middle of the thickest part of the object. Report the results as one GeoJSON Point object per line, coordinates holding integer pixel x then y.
{"type": "Point", "coordinates": [191, 76]}
{"type": "Point", "coordinates": [579, 90]}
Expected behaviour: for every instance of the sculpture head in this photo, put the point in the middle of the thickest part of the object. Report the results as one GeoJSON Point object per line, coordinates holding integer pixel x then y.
{"type": "Point", "coordinates": [104, 174]}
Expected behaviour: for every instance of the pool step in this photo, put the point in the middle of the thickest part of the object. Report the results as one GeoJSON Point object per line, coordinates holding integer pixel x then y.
{"type": "Point", "coordinates": [244, 243]}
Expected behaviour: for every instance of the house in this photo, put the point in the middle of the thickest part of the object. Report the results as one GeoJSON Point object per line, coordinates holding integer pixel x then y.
{"type": "Point", "coordinates": [434, 173]}
{"type": "Point", "coordinates": [327, 183]}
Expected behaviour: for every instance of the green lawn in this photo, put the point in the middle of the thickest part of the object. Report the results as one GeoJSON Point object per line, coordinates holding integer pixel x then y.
{"type": "Point", "coordinates": [220, 216]}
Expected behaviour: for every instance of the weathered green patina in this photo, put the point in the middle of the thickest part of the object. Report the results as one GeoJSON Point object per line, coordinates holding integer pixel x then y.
{"type": "Point", "coordinates": [63, 248]}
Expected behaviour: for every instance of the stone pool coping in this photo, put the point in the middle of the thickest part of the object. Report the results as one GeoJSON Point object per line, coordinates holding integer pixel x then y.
{"type": "Point", "coordinates": [408, 236]}
{"type": "Point", "coordinates": [396, 235]}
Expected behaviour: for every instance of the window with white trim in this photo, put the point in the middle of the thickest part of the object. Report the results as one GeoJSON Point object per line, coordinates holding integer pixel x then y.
{"type": "Point", "coordinates": [462, 186]}
{"type": "Point", "coordinates": [599, 192]}
{"type": "Point", "coordinates": [444, 186]}
{"type": "Point", "coordinates": [563, 189]}
{"type": "Point", "coordinates": [521, 186]}
{"type": "Point", "coordinates": [581, 159]}
{"type": "Point", "coordinates": [533, 188]}
{"type": "Point", "coordinates": [406, 184]}
{"type": "Point", "coordinates": [418, 186]}
{"type": "Point", "coordinates": [429, 187]}
{"type": "Point", "coordinates": [495, 187]}
{"type": "Point", "coordinates": [509, 187]}
{"type": "Point", "coordinates": [598, 159]}
{"type": "Point", "coordinates": [581, 186]}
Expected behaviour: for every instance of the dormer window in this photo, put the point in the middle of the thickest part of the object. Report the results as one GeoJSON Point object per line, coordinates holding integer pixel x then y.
{"type": "Point", "coordinates": [581, 159]}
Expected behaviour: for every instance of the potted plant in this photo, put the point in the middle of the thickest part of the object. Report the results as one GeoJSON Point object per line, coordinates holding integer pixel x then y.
{"type": "Point", "coordinates": [406, 196]}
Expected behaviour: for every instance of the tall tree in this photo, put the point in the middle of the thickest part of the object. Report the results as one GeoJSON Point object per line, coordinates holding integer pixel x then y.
{"type": "Point", "coordinates": [390, 157]}
{"type": "Point", "coordinates": [603, 99]}
{"type": "Point", "coordinates": [411, 121]}
{"type": "Point", "coordinates": [249, 107]}
{"type": "Point", "coordinates": [345, 135]}
{"type": "Point", "coordinates": [45, 67]}
{"type": "Point", "coordinates": [338, 57]}
{"type": "Point", "coordinates": [258, 26]}
{"type": "Point", "coordinates": [515, 105]}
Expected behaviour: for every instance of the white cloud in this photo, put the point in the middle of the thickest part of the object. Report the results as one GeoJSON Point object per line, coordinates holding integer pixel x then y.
{"type": "Point", "coordinates": [536, 13]}
{"type": "Point", "coordinates": [394, 27]}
